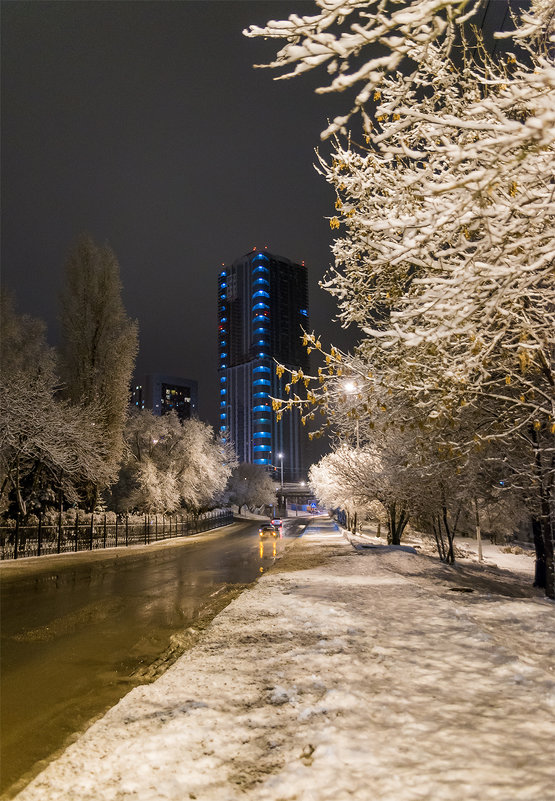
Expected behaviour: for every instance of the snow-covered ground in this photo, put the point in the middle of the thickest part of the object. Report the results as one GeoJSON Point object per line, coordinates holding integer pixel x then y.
{"type": "Point", "coordinates": [371, 674]}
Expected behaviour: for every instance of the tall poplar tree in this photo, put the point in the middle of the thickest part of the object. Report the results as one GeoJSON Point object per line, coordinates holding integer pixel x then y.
{"type": "Point", "coordinates": [99, 342]}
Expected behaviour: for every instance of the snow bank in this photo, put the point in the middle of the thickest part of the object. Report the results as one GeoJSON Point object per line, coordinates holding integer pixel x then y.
{"type": "Point", "coordinates": [343, 674]}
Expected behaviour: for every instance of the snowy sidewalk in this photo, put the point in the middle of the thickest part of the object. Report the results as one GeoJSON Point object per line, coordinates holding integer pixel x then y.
{"type": "Point", "coordinates": [343, 674]}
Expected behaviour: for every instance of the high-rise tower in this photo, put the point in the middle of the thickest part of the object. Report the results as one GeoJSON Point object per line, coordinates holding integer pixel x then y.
{"type": "Point", "coordinates": [262, 308]}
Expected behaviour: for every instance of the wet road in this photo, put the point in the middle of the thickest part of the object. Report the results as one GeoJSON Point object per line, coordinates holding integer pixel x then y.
{"type": "Point", "coordinates": [79, 631]}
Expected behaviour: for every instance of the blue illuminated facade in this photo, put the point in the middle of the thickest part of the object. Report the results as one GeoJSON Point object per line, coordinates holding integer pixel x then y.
{"type": "Point", "coordinates": [262, 307]}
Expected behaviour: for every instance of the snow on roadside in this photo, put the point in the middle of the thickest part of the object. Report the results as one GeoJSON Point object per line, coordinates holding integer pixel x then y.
{"type": "Point", "coordinates": [348, 675]}
{"type": "Point", "coordinates": [519, 560]}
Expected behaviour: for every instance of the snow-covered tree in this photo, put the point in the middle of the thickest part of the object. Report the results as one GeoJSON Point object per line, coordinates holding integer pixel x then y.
{"type": "Point", "coordinates": [48, 448]}
{"type": "Point", "coordinates": [207, 468]}
{"type": "Point", "coordinates": [352, 478]}
{"type": "Point", "coordinates": [250, 485]}
{"type": "Point", "coordinates": [170, 464]}
{"type": "Point", "coordinates": [98, 342]}
{"type": "Point", "coordinates": [446, 203]}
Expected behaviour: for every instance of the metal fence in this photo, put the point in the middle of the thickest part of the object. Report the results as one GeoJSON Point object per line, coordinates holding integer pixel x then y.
{"type": "Point", "coordinates": [94, 532]}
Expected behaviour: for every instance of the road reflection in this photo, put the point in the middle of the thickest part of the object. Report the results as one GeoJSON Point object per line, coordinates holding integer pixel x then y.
{"type": "Point", "coordinates": [268, 550]}
{"type": "Point", "coordinates": [79, 631]}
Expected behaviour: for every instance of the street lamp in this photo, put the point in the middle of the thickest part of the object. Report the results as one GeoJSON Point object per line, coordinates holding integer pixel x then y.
{"type": "Point", "coordinates": [350, 388]}
{"type": "Point", "coordinates": [280, 457]}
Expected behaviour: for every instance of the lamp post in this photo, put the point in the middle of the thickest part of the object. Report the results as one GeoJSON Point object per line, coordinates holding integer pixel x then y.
{"type": "Point", "coordinates": [280, 457]}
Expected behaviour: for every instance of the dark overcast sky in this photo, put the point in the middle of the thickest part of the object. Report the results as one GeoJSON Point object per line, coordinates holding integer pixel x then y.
{"type": "Point", "coordinates": [145, 124]}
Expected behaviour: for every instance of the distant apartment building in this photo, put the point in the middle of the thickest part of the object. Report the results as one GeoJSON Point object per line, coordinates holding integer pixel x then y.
{"type": "Point", "coordinates": [262, 309]}
{"type": "Point", "coordinates": [165, 393]}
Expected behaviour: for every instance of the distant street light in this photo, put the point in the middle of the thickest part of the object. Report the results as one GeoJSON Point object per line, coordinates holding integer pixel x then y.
{"type": "Point", "coordinates": [280, 457]}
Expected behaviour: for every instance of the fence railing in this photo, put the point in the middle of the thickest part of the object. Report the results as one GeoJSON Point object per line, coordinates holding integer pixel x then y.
{"type": "Point", "coordinates": [95, 532]}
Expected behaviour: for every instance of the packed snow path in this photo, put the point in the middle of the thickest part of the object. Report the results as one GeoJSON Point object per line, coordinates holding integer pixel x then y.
{"type": "Point", "coordinates": [342, 674]}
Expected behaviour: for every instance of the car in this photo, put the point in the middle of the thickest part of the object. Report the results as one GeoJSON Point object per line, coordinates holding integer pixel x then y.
{"type": "Point", "coordinates": [268, 530]}
{"type": "Point", "coordinates": [276, 521]}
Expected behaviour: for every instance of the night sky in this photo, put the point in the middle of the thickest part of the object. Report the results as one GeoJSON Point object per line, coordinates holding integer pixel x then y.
{"type": "Point", "coordinates": [145, 125]}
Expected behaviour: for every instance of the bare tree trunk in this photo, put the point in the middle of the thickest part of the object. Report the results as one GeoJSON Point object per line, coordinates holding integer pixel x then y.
{"type": "Point", "coordinates": [547, 536]}
{"type": "Point", "coordinates": [436, 528]}
{"type": "Point", "coordinates": [397, 523]}
{"type": "Point", "coordinates": [545, 519]}
{"type": "Point", "coordinates": [539, 574]}
{"type": "Point", "coordinates": [478, 532]}
{"type": "Point", "coordinates": [391, 513]}
{"type": "Point", "coordinates": [21, 506]}
{"type": "Point", "coordinates": [450, 558]}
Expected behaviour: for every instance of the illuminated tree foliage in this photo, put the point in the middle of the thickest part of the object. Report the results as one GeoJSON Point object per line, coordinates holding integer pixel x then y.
{"type": "Point", "coordinates": [251, 486]}
{"type": "Point", "coordinates": [170, 464]}
{"type": "Point", "coordinates": [445, 209]}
